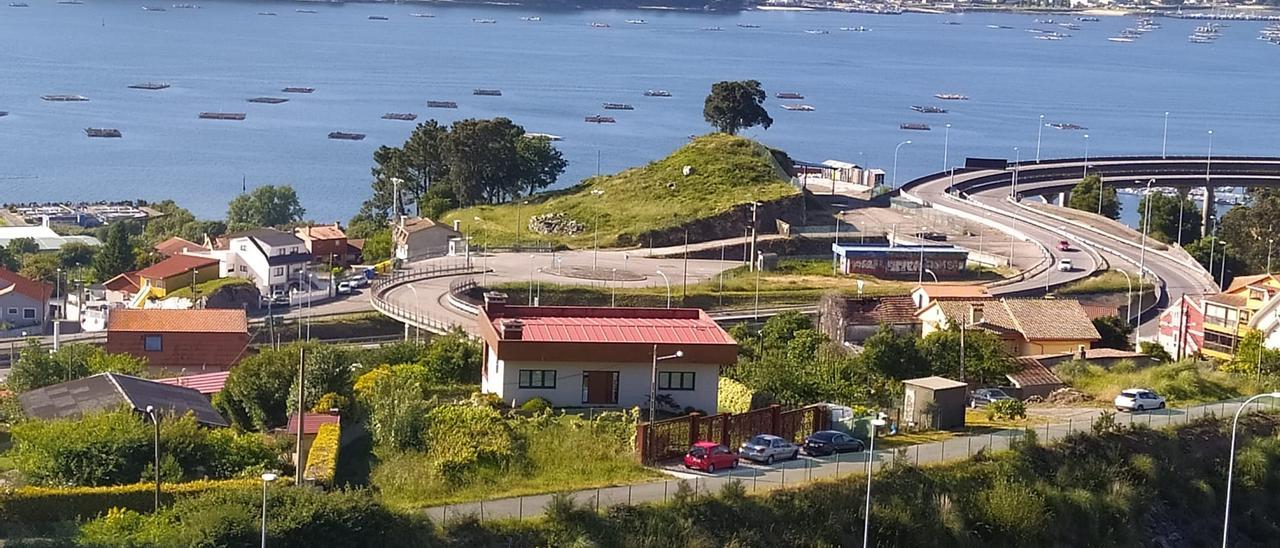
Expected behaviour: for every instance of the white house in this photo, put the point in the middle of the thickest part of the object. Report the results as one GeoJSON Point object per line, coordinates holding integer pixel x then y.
{"type": "Point", "coordinates": [271, 258]}
{"type": "Point", "coordinates": [602, 357]}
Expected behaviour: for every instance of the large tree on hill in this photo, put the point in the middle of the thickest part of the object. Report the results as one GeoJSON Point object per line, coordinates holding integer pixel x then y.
{"type": "Point", "coordinates": [1115, 332]}
{"type": "Point", "coordinates": [733, 106]}
{"type": "Point", "coordinates": [986, 361]}
{"type": "Point", "coordinates": [1084, 197]}
{"type": "Point", "coordinates": [1251, 230]}
{"type": "Point", "coordinates": [1209, 249]}
{"type": "Point", "coordinates": [268, 205]}
{"type": "Point", "coordinates": [1165, 213]}
{"type": "Point", "coordinates": [116, 254]}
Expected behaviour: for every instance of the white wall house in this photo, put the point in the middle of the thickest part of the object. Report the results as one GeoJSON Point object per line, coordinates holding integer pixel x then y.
{"type": "Point", "coordinates": [271, 258]}
{"type": "Point", "coordinates": [602, 357]}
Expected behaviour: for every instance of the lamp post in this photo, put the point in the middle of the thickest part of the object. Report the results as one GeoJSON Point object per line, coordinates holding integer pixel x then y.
{"type": "Point", "coordinates": [894, 184]}
{"type": "Point", "coordinates": [1182, 201]}
{"type": "Point", "coordinates": [595, 237]}
{"type": "Point", "coordinates": [1208, 161]}
{"type": "Point", "coordinates": [518, 204]}
{"type": "Point", "coordinates": [946, 146]}
{"type": "Point", "coordinates": [395, 198]}
{"type": "Point", "coordinates": [1039, 132]}
{"type": "Point", "coordinates": [1231, 461]}
{"type": "Point", "coordinates": [755, 315]}
{"type": "Point", "coordinates": [1222, 272]}
{"type": "Point", "coordinates": [653, 394]}
{"type": "Point", "coordinates": [613, 288]}
{"type": "Point", "coordinates": [1013, 187]}
{"type": "Point", "coordinates": [1086, 155]}
{"type": "Point", "coordinates": [1270, 244]}
{"type": "Point", "coordinates": [668, 282]}
{"type": "Point", "coordinates": [1128, 313]}
{"type": "Point", "coordinates": [1142, 256]}
{"type": "Point", "coordinates": [871, 458]}
{"type": "Point", "coordinates": [266, 478]}
{"type": "Point", "coordinates": [151, 412]}
{"type": "Point", "coordinates": [930, 272]}
{"type": "Point", "coordinates": [1164, 141]}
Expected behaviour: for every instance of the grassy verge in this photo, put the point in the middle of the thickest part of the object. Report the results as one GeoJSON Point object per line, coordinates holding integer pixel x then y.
{"type": "Point", "coordinates": [1181, 383]}
{"type": "Point", "coordinates": [1110, 281]}
{"type": "Point", "coordinates": [727, 172]}
{"type": "Point", "coordinates": [975, 423]}
{"type": "Point", "coordinates": [205, 288]}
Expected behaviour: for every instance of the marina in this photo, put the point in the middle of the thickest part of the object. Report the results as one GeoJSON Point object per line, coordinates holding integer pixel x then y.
{"type": "Point", "coordinates": [221, 115]}
{"type": "Point", "coordinates": [406, 116]}
{"type": "Point", "coordinates": [345, 136]}
{"type": "Point", "coordinates": [64, 98]}
{"type": "Point", "coordinates": [103, 132]}
{"type": "Point", "coordinates": [150, 86]}
{"type": "Point", "coordinates": [597, 119]}
{"type": "Point", "coordinates": [441, 104]}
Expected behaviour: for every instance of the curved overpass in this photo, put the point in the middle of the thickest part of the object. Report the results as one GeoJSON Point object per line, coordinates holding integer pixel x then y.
{"type": "Point", "coordinates": [984, 194]}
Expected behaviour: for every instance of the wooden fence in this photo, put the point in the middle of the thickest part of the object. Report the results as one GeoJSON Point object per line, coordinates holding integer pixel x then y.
{"type": "Point", "coordinates": [671, 438]}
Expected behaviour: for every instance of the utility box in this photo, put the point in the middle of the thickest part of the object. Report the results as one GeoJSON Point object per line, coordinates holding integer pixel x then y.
{"type": "Point", "coordinates": [934, 403]}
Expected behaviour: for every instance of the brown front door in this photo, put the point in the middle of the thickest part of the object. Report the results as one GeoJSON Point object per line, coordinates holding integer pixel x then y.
{"type": "Point", "coordinates": [600, 387]}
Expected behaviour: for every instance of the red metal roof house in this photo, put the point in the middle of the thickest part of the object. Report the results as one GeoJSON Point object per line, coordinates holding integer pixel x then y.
{"type": "Point", "coordinates": [601, 357]}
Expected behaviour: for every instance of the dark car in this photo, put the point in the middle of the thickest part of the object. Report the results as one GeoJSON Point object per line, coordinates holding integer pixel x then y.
{"type": "Point", "coordinates": [983, 396]}
{"type": "Point", "coordinates": [828, 442]}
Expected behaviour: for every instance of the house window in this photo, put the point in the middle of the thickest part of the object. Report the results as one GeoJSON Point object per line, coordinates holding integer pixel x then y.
{"type": "Point", "coordinates": [152, 343]}
{"type": "Point", "coordinates": [244, 247]}
{"type": "Point", "coordinates": [13, 312]}
{"type": "Point", "coordinates": [243, 268]}
{"type": "Point", "coordinates": [29, 313]}
{"type": "Point", "coordinates": [278, 271]}
{"type": "Point", "coordinates": [675, 380]}
{"type": "Point", "coordinates": [537, 378]}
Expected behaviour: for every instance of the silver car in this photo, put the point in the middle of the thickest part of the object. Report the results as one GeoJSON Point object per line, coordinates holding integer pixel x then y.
{"type": "Point", "coordinates": [768, 448]}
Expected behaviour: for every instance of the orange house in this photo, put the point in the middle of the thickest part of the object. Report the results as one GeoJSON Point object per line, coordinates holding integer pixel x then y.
{"type": "Point", "coordinates": [180, 341]}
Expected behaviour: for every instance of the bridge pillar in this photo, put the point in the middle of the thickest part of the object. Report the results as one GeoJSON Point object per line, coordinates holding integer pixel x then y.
{"type": "Point", "coordinates": [1062, 198]}
{"type": "Point", "coordinates": [1206, 212]}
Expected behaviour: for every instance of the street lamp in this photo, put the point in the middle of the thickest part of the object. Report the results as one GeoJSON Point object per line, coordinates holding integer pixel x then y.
{"type": "Point", "coordinates": [871, 457]}
{"type": "Point", "coordinates": [595, 237]}
{"type": "Point", "coordinates": [653, 394]}
{"type": "Point", "coordinates": [395, 198]}
{"type": "Point", "coordinates": [613, 288]}
{"type": "Point", "coordinates": [1231, 462]}
{"type": "Point", "coordinates": [151, 412]}
{"type": "Point", "coordinates": [1222, 272]}
{"type": "Point", "coordinates": [1208, 161]}
{"type": "Point", "coordinates": [930, 272]}
{"type": "Point", "coordinates": [266, 478]}
{"type": "Point", "coordinates": [755, 315]}
{"type": "Point", "coordinates": [1039, 132]}
{"type": "Point", "coordinates": [894, 184]}
{"type": "Point", "coordinates": [946, 146]}
{"type": "Point", "coordinates": [1013, 187]}
{"type": "Point", "coordinates": [1164, 141]}
{"type": "Point", "coordinates": [668, 282]}
{"type": "Point", "coordinates": [1142, 257]}
{"type": "Point", "coordinates": [1128, 313]}
{"type": "Point", "coordinates": [1086, 155]}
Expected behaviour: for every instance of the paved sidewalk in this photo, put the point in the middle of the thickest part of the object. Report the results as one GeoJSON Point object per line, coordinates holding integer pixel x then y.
{"type": "Point", "coordinates": [760, 478]}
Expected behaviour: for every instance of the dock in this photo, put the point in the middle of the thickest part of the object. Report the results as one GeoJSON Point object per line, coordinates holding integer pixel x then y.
{"type": "Point", "coordinates": [64, 98]}
{"type": "Point", "coordinates": [222, 115]}
{"type": "Point", "coordinates": [406, 116]}
{"type": "Point", "coordinates": [298, 90]}
{"type": "Point", "coordinates": [345, 136]}
{"type": "Point", "coordinates": [268, 100]}
{"type": "Point", "coordinates": [150, 86]}
{"type": "Point", "coordinates": [597, 119]}
{"type": "Point", "coordinates": [441, 104]}
{"type": "Point", "coordinates": [103, 132]}
{"type": "Point", "coordinates": [487, 91]}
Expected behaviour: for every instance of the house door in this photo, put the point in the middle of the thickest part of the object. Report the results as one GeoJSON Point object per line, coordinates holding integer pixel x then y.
{"type": "Point", "coordinates": [600, 387]}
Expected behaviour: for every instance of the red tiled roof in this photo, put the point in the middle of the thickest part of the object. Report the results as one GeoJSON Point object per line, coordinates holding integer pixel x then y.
{"type": "Point", "coordinates": [176, 245]}
{"type": "Point", "coordinates": [1035, 319]}
{"type": "Point", "coordinates": [127, 282]}
{"type": "Point", "coordinates": [175, 265]}
{"type": "Point", "coordinates": [205, 383]}
{"type": "Point", "coordinates": [1095, 311]}
{"type": "Point", "coordinates": [890, 309]}
{"type": "Point", "coordinates": [321, 232]}
{"type": "Point", "coordinates": [178, 321]}
{"type": "Point", "coordinates": [1032, 373]}
{"type": "Point", "coordinates": [311, 424]}
{"type": "Point", "coordinates": [12, 281]}
{"type": "Point", "coordinates": [952, 291]}
{"type": "Point", "coordinates": [1242, 281]}
{"type": "Point", "coordinates": [614, 325]}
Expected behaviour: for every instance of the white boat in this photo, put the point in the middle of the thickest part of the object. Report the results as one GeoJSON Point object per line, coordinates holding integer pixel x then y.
{"type": "Point", "coordinates": [599, 25]}
{"type": "Point", "coordinates": [422, 14]}
{"type": "Point", "coordinates": [799, 108]}
{"type": "Point", "coordinates": [305, 11]}
{"type": "Point", "coordinates": [533, 19]}
{"type": "Point", "coordinates": [712, 29]}
{"type": "Point", "coordinates": [855, 29]}
{"type": "Point", "coordinates": [816, 31]}
{"type": "Point", "coordinates": [546, 136]}
{"type": "Point", "coordinates": [484, 21]}
{"type": "Point", "coordinates": [637, 22]}
{"type": "Point", "coordinates": [1121, 39]}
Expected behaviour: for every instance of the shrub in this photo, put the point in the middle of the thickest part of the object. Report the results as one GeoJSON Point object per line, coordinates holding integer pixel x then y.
{"type": "Point", "coordinates": [1007, 410]}
{"type": "Point", "coordinates": [735, 397]}
{"type": "Point", "coordinates": [330, 401]}
{"type": "Point", "coordinates": [54, 504]}
{"type": "Point", "coordinates": [322, 460]}
{"type": "Point", "coordinates": [461, 438]}
{"type": "Point", "coordinates": [536, 405]}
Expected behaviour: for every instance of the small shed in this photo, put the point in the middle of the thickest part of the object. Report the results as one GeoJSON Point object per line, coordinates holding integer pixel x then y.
{"type": "Point", "coordinates": [934, 402]}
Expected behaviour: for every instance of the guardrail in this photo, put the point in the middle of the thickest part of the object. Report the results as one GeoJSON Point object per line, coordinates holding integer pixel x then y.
{"type": "Point", "coordinates": [457, 296]}
{"type": "Point", "coordinates": [414, 317]}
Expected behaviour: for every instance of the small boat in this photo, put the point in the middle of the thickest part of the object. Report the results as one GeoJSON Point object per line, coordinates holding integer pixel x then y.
{"type": "Point", "coordinates": [788, 95]}
{"type": "Point", "coordinates": [222, 115]}
{"type": "Point", "coordinates": [70, 2]}
{"type": "Point", "coordinates": [342, 135]}
{"type": "Point", "coordinates": [1048, 37]}
{"type": "Point", "coordinates": [151, 86]}
{"type": "Point", "coordinates": [817, 31]}
{"type": "Point", "coordinates": [637, 22]}
{"type": "Point", "coordinates": [487, 92]}
{"type": "Point", "coordinates": [915, 127]}
{"type": "Point", "coordinates": [485, 21]}
{"type": "Point", "coordinates": [546, 136]}
{"type": "Point", "coordinates": [798, 108]}
{"type": "Point", "coordinates": [999, 27]}
{"type": "Point", "coordinates": [533, 19]}
{"type": "Point", "coordinates": [951, 22]}
{"type": "Point", "coordinates": [951, 96]}
{"type": "Point", "coordinates": [929, 109]}
{"type": "Point", "coordinates": [1045, 21]}
{"type": "Point", "coordinates": [152, 8]}
{"type": "Point", "coordinates": [109, 132]}
{"type": "Point", "coordinates": [1075, 127]}
{"type": "Point", "coordinates": [1088, 19]}
{"type": "Point", "coordinates": [855, 29]}
{"type": "Point", "coordinates": [378, 18]}
{"type": "Point", "coordinates": [18, 5]}
{"type": "Point", "coordinates": [406, 116]}
{"type": "Point", "coordinates": [441, 104]}
{"type": "Point", "coordinates": [748, 26]}
{"type": "Point", "coordinates": [186, 6]}
{"type": "Point", "coordinates": [64, 98]}
{"type": "Point", "coordinates": [618, 106]}
{"type": "Point", "coordinates": [268, 100]}
{"type": "Point", "coordinates": [1200, 40]}
{"type": "Point", "coordinates": [298, 90]}
{"type": "Point", "coordinates": [427, 15]}
{"type": "Point", "coordinates": [597, 119]}
{"type": "Point", "coordinates": [3, 113]}
{"type": "Point", "coordinates": [598, 25]}
{"type": "Point", "coordinates": [712, 29]}
{"type": "Point", "coordinates": [305, 11]}
{"type": "Point", "coordinates": [657, 93]}
{"type": "Point", "coordinates": [268, 13]}
{"type": "Point", "coordinates": [1069, 26]}
{"type": "Point", "coordinates": [1122, 39]}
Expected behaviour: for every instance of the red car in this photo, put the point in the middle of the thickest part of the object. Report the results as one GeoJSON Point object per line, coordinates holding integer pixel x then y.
{"type": "Point", "coordinates": [709, 457]}
{"type": "Point", "coordinates": [1064, 245]}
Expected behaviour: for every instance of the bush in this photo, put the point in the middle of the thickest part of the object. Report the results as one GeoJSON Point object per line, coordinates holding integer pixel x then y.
{"type": "Point", "coordinates": [1006, 410]}
{"type": "Point", "coordinates": [54, 504]}
{"type": "Point", "coordinates": [461, 438]}
{"type": "Point", "coordinates": [536, 405]}
{"type": "Point", "coordinates": [735, 397]}
{"type": "Point", "coordinates": [322, 460]}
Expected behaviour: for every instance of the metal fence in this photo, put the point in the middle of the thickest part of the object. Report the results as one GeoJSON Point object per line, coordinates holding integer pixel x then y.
{"type": "Point", "coordinates": [414, 316]}
{"type": "Point", "coordinates": [670, 438]}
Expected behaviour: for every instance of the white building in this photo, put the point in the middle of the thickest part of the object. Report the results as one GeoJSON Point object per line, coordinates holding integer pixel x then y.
{"type": "Point", "coordinates": [45, 237]}
{"type": "Point", "coordinates": [273, 259]}
{"type": "Point", "coordinates": [602, 357]}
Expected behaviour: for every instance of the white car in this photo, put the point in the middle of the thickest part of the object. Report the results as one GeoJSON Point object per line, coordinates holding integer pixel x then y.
{"type": "Point", "coordinates": [344, 288]}
{"type": "Point", "coordinates": [1138, 399]}
{"type": "Point", "coordinates": [1064, 265]}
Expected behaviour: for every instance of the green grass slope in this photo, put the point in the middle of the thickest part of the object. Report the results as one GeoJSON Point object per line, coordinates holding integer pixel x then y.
{"type": "Point", "coordinates": [728, 171]}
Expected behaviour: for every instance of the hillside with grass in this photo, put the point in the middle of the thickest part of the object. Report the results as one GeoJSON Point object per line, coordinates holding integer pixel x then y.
{"type": "Point", "coordinates": [654, 202]}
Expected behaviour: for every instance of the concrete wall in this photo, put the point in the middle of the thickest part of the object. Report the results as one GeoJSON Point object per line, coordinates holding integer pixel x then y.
{"type": "Point", "coordinates": [11, 310]}
{"type": "Point", "coordinates": [1033, 348]}
{"type": "Point", "coordinates": [502, 378]}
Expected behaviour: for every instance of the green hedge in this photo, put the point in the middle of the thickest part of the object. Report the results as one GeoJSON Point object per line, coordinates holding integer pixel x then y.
{"type": "Point", "coordinates": [735, 397]}
{"type": "Point", "coordinates": [53, 504]}
{"type": "Point", "coordinates": [322, 459]}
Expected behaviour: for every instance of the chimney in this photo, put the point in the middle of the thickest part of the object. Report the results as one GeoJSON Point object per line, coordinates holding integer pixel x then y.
{"type": "Point", "coordinates": [457, 225]}
{"type": "Point", "coordinates": [495, 304]}
{"type": "Point", "coordinates": [975, 313]}
{"type": "Point", "coordinates": [512, 330]}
